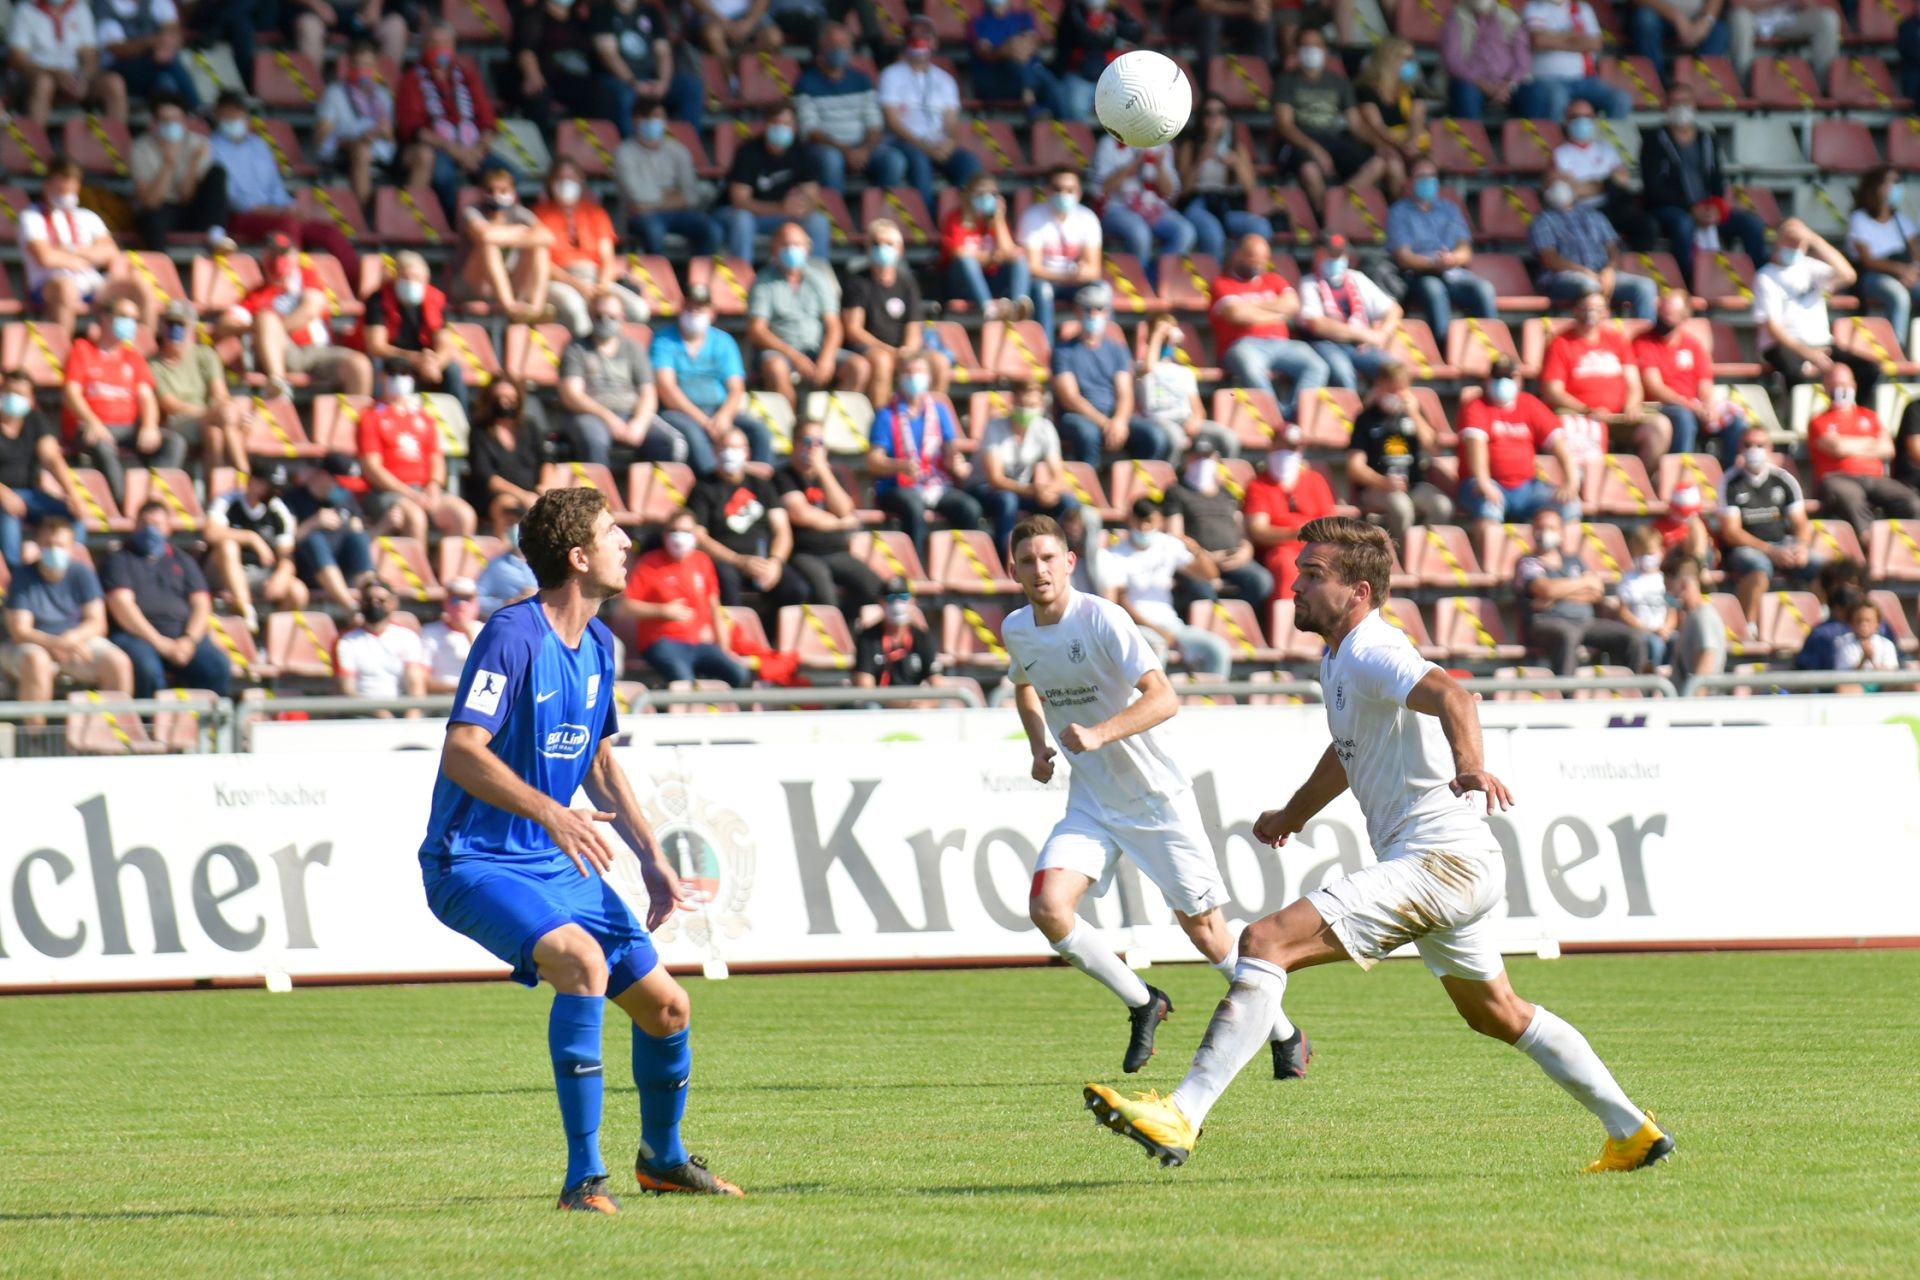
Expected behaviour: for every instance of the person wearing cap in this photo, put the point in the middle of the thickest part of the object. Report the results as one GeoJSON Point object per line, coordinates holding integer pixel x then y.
{"type": "Point", "coordinates": [586, 263]}
{"type": "Point", "coordinates": [1140, 573]}
{"type": "Point", "coordinates": [914, 455]}
{"type": "Point", "coordinates": [1168, 390]}
{"type": "Point", "coordinates": [331, 547]}
{"type": "Point", "coordinates": [289, 317]}
{"type": "Point", "coordinates": [794, 324]}
{"type": "Point", "coordinates": [824, 517]}
{"type": "Point", "coordinates": [896, 650]}
{"type": "Point", "coordinates": [1387, 465]}
{"type": "Point", "coordinates": [110, 402]}
{"type": "Point", "coordinates": [258, 201]}
{"type": "Point", "coordinates": [655, 173]}
{"type": "Point", "coordinates": [608, 397]}
{"type": "Point", "coordinates": [176, 184]}
{"type": "Point", "coordinates": [1093, 389]}
{"type": "Point", "coordinates": [1284, 497]}
{"type": "Point", "coordinates": [1020, 467]}
{"type": "Point", "coordinates": [1351, 320]}
{"type": "Point", "coordinates": [920, 102]}
{"type": "Point", "coordinates": [703, 382]}
{"type": "Point", "coordinates": [1252, 307]}
{"type": "Point", "coordinates": [449, 638]}
{"type": "Point", "coordinates": [1503, 432]}
{"type": "Point", "coordinates": [406, 470]}
{"type": "Point", "coordinates": [505, 258]}
{"type": "Point", "coordinates": [407, 321]}
{"type": "Point", "coordinates": [250, 546]}
{"type": "Point", "coordinates": [191, 386]}
{"type": "Point", "coordinates": [1203, 513]}
{"type": "Point", "coordinates": [57, 619]}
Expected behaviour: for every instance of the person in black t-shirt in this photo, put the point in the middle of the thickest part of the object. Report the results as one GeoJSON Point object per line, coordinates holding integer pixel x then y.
{"type": "Point", "coordinates": [1906, 448]}
{"type": "Point", "coordinates": [882, 313]}
{"type": "Point", "coordinates": [896, 652]}
{"type": "Point", "coordinates": [1203, 514]}
{"type": "Point", "coordinates": [1387, 467]}
{"type": "Point", "coordinates": [29, 455]}
{"type": "Point", "coordinates": [824, 520]}
{"type": "Point", "coordinates": [772, 182]}
{"type": "Point", "coordinates": [250, 541]}
{"type": "Point", "coordinates": [159, 608]}
{"type": "Point", "coordinates": [504, 455]}
{"type": "Point", "coordinates": [743, 528]}
{"type": "Point", "coordinates": [551, 74]}
{"type": "Point", "coordinates": [633, 59]}
{"type": "Point", "coordinates": [1764, 527]}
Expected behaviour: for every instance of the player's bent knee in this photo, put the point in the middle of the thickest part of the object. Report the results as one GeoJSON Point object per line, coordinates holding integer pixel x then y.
{"type": "Point", "coordinates": [572, 962]}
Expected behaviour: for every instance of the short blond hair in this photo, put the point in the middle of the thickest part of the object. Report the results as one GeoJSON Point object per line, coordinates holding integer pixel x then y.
{"type": "Point", "coordinates": [878, 225]}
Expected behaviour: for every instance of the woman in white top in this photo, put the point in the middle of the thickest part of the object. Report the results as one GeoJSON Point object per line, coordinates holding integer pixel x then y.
{"type": "Point", "coordinates": [1168, 390]}
{"type": "Point", "coordinates": [1885, 241]}
{"type": "Point", "coordinates": [354, 127]}
{"type": "Point", "coordinates": [1217, 172]}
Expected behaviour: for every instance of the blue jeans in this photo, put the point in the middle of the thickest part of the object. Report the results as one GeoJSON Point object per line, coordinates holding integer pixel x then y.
{"type": "Point", "coordinates": [1686, 427]}
{"type": "Point", "coordinates": [208, 668]}
{"type": "Point", "coordinates": [1082, 441]}
{"type": "Point", "coordinates": [652, 229]}
{"type": "Point", "coordinates": [1007, 83]}
{"type": "Point", "coordinates": [238, 21]}
{"type": "Point", "coordinates": [1518, 505]}
{"type": "Point", "coordinates": [347, 550]}
{"type": "Point", "coordinates": [1346, 365]}
{"type": "Point", "coordinates": [1076, 98]}
{"type": "Point", "coordinates": [1636, 293]}
{"type": "Point", "coordinates": [957, 507]}
{"type": "Point", "coordinates": [685, 99]}
{"type": "Point", "coordinates": [1002, 510]}
{"type": "Point", "coordinates": [591, 442]}
{"type": "Point", "coordinates": [678, 660]}
{"type": "Point", "coordinates": [1210, 235]}
{"type": "Point", "coordinates": [1440, 294]}
{"type": "Point", "coordinates": [967, 279]}
{"type": "Point", "coordinates": [1650, 33]}
{"type": "Point", "coordinates": [1676, 224]}
{"type": "Point", "coordinates": [1252, 362]}
{"type": "Point", "coordinates": [1131, 233]}
{"type": "Point", "coordinates": [13, 529]}
{"type": "Point", "coordinates": [1881, 292]}
{"type": "Point", "coordinates": [738, 227]}
{"type": "Point", "coordinates": [898, 163]}
{"type": "Point", "coordinates": [447, 178]}
{"type": "Point", "coordinates": [1548, 99]}
{"type": "Point", "coordinates": [145, 78]}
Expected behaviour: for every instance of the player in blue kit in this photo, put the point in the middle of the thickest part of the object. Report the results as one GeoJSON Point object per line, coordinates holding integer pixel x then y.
{"type": "Point", "coordinates": [510, 864]}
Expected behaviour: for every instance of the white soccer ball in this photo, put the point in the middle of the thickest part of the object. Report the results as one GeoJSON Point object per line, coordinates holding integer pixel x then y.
{"type": "Point", "coordinates": [1143, 98]}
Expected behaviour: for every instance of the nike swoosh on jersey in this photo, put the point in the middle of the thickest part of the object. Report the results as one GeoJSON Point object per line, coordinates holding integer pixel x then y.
{"type": "Point", "coordinates": [542, 697]}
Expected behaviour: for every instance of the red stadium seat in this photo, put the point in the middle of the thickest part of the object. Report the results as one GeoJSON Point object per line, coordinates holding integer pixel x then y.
{"type": "Point", "coordinates": [1254, 417]}
{"type": "Point", "coordinates": [1084, 481]}
{"type": "Point", "coordinates": [1733, 624]}
{"type": "Point", "coordinates": [1758, 201]}
{"type": "Point", "coordinates": [154, 273]}
{"type": "Point", "coordinates": [982, 408]}
{"type": "Point", "coordinates": [98, 145]}
{"type": "Point", "coordinates": [1186, 280]}
{"type": "Point", "coordinates": [1421, 21]}
{"type": "Point", "coordinates": [766, 79]}
{"type": "Point", "coordinates": [533, 352]}
{"type": "Point", "coordinates": [1503, 547]}
{"type": "Point", "coordinates": [402, 564]}
{"type": "Point", "coordinates": [466, 556]}
{"type": "Point", "coordinates": [1132, 295]}
{"type": "Point", "coordinates": [1786, 618]}
{"type": "Point", "coordinates": [997, 146]}
{"type": "Point", "coordinates": [1358, 214]}
{"type": "Point", "coordinates": [904, 206]}
{"type": "Point", "coordinates": [1862, 82]}
{"type": "Point", "coordinates": [1294, 644]}
{"type": "Point", "coordinates": [1603, 547]}
{"type": "Point", "coordinates": [38, 349]}
{"type": "Point", "coordinates": [410, 218]}
{"type": "Point", "coordinates": [1138, 478]}
{"type": "Point", "coordinates": [335, 424]}
{"type": "Point", "coordinates": [338, 205]}
{"type": "Point", "coordinates": [1844, 146]}
{"type": "Point", "coordinates": [171, 486]}
{"type": "Point", "coordinates": [657, 489]}
{"type": "Point", "coordinates": [1472, 345]}
{"type": "Point", "coordinates": [1326, 417]}
{"type": "Point", "coordinates": [12, 201]}
{"type": "Point", "coordinates": [1245, 83]}
{"type": "Point", "coordinates": [1894, 551]}
{"type": "Point", "coordinates": [1903, 142]}
{"type": "Point", "coordinates": [964, 562]}
{"type": "Point", "coordinates": [1894, 614]}
{"type": "Point", "coordinates": [1637, 76]}
{"type": "Point", "coordinates": [1463, 147]}
{"type": "Point", "coordinates": [1528, 695]}
{"type": "Point", "coordinates": [1057, 143]}
{"type": "Point", "coordinates": [1661, 268]}
{"type": "Point", "coordinates": [1470, 629]}
{"type": "Point", "coordinates": [25, 149]}
{"type": "Point", "coordinates": [1513, 288]}
{"type": "Point", "coordinates": [277, 433]}
{"type": "Point", "coordinates": [1235, 622]}
{"type": "Point", "coordinates": [1701, 470]}
{"type": "Point", "coordinates": [100, 512]}
{"type": "Point", "coordinates": [286, 80]}
{"type": "Point", "coordinates": [476, 351]}
{"type": "Point", "coordinates": [1285, 205]}
{"type": "Point", "coordinates": [1442, 556]}
{"type": "Point", "coordinates": [479, 21]}
{"type": "Point", "coordinates": [1625, 489]}
{"type": "Point", "coordinates": [1836, 540]}
{"type": "Point", "coordinates": [107, 733]}
{"type": "Point", "coordinates": [1787, 83]}
{"type": "Point", "coordinates": [1715, 85]}
{"type": "Point", "coordinates": [729, 280]}
{"type": "Point", "coordinates": [1528, 145]}
{"type": "Point", "coordinates": [891, 554]}
{"type": "Point", "coordinates": [589, 475]}
{"type": "Point", "coordinates": [959, 344]}
{"type": "Point", "coordinates": [1873, 338]}
{"type": "Point", "coordinates": [704, 166]}
{"type": "Point", "coordinates": [589, 144]}
{"type": "Point", "coordinates": [1015, 350]}
{"type": "Point", "coordinates": [229, 631]}
{"type": "Point", "coordinates": [1721, 278]}
{"type": "Point", "coordinates": [818, 634]}
{"type": "Point", "coordinates": [970, 634]}
{"type": "Point", "coordinates": [1413, 346]}
{"type": "Point", "coordinates": [1507, 212]}
{"type": "Point", "coordinates": [1404, 615]}
{"type": "Point", "coordinates": [300, 644]}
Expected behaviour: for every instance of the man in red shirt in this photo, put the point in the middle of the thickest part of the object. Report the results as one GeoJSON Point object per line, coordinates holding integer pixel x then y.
{"type": "Point", "coordinates": [981, 261]}
{"type": "Point", "coordinates": [1252, 304]}
{"type": "Point", "coordinates": [673, 596]}
{"type": "Point", "coordinates": [289, 319]}
{"type": "Point", "coordinates": [1284, 498]}
{"type": "Point", "coordinates": [406, 473]}
{"type": "Point", "coordinates": [1502, 431]}
{"type": "Point", "coordinates": [111, 403]}
{"type": "Point", "coordinates": [1683, 528]}
{"type": "Point", "coordinates": [444, 118]}
{"type": "Point", "coordinates": [1850, 447]}
{"type": "Point", "coordinates": [1676, 372]}
{"type": "Point", "coordinates": [1589, 374]}
{"type": "Point", "coordinates": [407, 321]}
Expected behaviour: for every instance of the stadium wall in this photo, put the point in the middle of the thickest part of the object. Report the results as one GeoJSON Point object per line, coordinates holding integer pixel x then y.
{"type": "Point", "coordinates": [223, 869]}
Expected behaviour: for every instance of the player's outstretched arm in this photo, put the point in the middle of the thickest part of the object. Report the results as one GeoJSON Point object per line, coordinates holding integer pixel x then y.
{"type": "Point", "coordinates": [607, 786]}
{"type": "Point", "coordinates": [1155, 705]}
{"type": "Point", "coordinates": [1322, 787]}
{"type": "Point", "coordinates": [1033, 719]}
{"type": "Point", "coordinates": [1439, 694]}
{"type": "Point", "coordinates": [469, 765]}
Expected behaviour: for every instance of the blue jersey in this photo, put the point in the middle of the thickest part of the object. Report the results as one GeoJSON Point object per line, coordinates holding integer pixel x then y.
{"type": "Point", "coordinates": [548, 707]}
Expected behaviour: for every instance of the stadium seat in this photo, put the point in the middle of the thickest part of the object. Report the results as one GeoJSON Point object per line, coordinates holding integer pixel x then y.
{"type": "Point", "coordinates": [1770, 146]}
{"type": "Point", "coordinates": [479, 21]}
{"type": "Point", "coordinates": [1894, 613]}
{"type": "Point", "coordinates": [276, 432]}
{"type": "Point", "coordinates": [1246, 83]}
{"type": "Point", "coordinates": [653, 278]}
{"type": "Point", "coordinates": [410, 218]}
{"type": "Point", "coordinates": [475, 346]}
{"type": "Point", "coordinates": [1730, 362]}
{"type": "Point", "coordinates": [904, 206]}
{"type": "Point", "coordinates": [521, 144]}
{"type": "Point", "coordinates": [589, 144]}
{"type": "Point", "coordinates": [817, 634]}
{"type": "Point", "coordinates": [1715, 85]}
{"type": "Point", "coordinates": [1513, 286]}
{"type": "Point", "coordinates": [1469, 628]}
{"type": "Point", "coordinates": [1528, 146]}
{"type": "Point", "coordinates": [1058, 143]}
{"type": "Point", "coordinates": [1894, 551]}
{"type": "Point", "coordinates": [953, 336]}
{"type": "Point", "coordinates": [336, 204]}
{"type": "Point", "coordinates": [1191, 688]}
{"type": "Point", "coordinates": [1413, 346]}
{"type": "Point", "coordinates": [1603, 547]}
{"type": "Point", "coordinates": [1502, 547]}
{"type": "Point", "coordinates": [1254, 417]}
{"type": "Point", "coordinates": [37, 349]}
{"type": "Point", "coordinates": [590, 475]}
{"type": "Point", "coordinates": [1836, 540]}
{"type": "Point", "coordinates": [1702, 470]}
{"type": "Point", "coordinates": [300, 644]}
{"type": "Point", "coordinates": [766, 80]}
{"type": "Point", "coordinates": [466, 556]}
{"type": "Point", "coordinates": [218, 283]}
{"type": "Point", "coordinates": [1015, 351]}
{"type": "Point", "coordinates": [402, 564]}
{"type": "Point", "coordinates": [655, 490]}
{"type": "Point", "coordinates": [177, 729]}
{"type": "Point", "coordinates": [1786, 618]}
{"type": "Point", "coordinates": [848, 419]}
{"type": "Point", "coordinates": [101, 513]}
{"type": "Point", "coordinates": [704, 686]}
{"type": "Point", "coordinates": [1603, 672]}
{"type": "Point", "coordinates": [1661, 268]}
{"type": "Point", "coordinates": [891, 554]}
{"type": "Point", "coordinates": [229, 632]}
{"type": "Point", "coordinates": [1419, 21]}
{"type": "Point", "coordinates": [1404, 615]}
{"type": "Point", "coordinates": [1132, 295]}
{"type": "Point", "coordinates": [1133, 478]}
{"type": "Point", "coordinates": [729, 280]}
{"type": "Point", "coordinates": [1084, 481]}
{"type": "Point", "coordinates": [982, 408]}
{"type": "Point", "coordinates": [1861, 82]}
{"type": "Point", "coordinates": [1785, 83]}
{"type": "Point", "coordinates": [1525, 695]}
{"type": "Point", "coordinates": [534, 351]}
{"type": "Point", "coordinates": [1294, 644]}
{"type": "Point", "coordinates": [1473, 345]}
{"type": "Point", "coordinates": [1506, 212]}
{"type": "Point", "coordinates": [1442, 556]}
{"type": "Point", "coordinates": [1733, 622]}
{"type": "Point", "coordinates": [998, 147]}
{"type": "Point", "coordinates": [1872, 338]}
{"type": "Point", "coordinates": [1637, 76]}
{"type": "Point", "coordinates": [704, 166]}
{"type": "Point", "coordinates": [286, 81]}
{"type": "Point", "coordinates": [1903, 143]}
{"type": "Point", "coordinates": [964, 562]}
{"type": "Point", "coordinates": [171, 486]}
{"type": "Point", "coordinates": [98, 145]}
{"type": "Point", "coordinates": [1624, 488]}
{"type": "Point", "coordinates": [1721, 278]}
{"type": "Point", "coordinates": [1326, 417]}
{"type": "Point", "coordinates": [1878, 21]}
{"type": "Point", "coordinates": [25, 149]}
{"type": "Point", "coordinates": [1360, 214]}
{"type": "Point", "coordinates": [107, 733]}
{"type": "Point", "coordinates": [1843, 146]}
{"type": "Point", "coordinates": [334, 423]}
{"type": "Point", "coordinates": [970, 634]}
{"type": "Point", "coordinates": [1186, 281]}
{"type": "Point", "coordinates": [1760, 202]}
{"type": "Point", "coordinates": [1462, 147]}
{"type": "Point", "coordinates": [747, 631]}
{"type": "Point", "coordinates": [1286, 205]}
{"type": "Point", "coordinates": [1235, 622]}
{"type": "Point", "coordinates": [771, 410]}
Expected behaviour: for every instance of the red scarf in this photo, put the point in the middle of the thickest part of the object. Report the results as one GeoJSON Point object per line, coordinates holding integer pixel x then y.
{"type": "Point", "coordinates": [933, 450]}
{"type": "Point", "coordinates": [1347, 302]}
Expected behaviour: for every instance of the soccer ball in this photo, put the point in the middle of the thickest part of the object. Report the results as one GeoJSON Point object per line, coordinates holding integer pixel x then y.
{"type": "Point", "coordinates": [1143, 98]}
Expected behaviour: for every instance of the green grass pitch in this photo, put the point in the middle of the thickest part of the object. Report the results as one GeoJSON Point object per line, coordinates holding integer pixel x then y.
{"type": "Point", "coordinates": [930, 1125]}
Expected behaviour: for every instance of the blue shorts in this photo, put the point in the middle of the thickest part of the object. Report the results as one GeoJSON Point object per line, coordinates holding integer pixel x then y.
{"type": "Point", "coordinates": [508, 907]}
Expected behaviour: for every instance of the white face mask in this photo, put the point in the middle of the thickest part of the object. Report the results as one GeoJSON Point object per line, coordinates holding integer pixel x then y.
{"type": "Point", "coordinates": [410, 292]}
{"type": "Point", "coordinates": [1755, 458]}
{"type": "Point", "coordinates": [733, 459]}
{"type": "Point", "coordinates": [1140, 537]}
{"type": "Point", "coordinates": [1312, 57]}
{"type": "Point", "coordinates": [899, 612]}
{"type": "Point", "coordinates": [1392, 405]}
{"type": "Point", "coordinates": [401, 386]}
{"type": "Point", "coordinates": [1559, 194]}
{"type": "Point", "coordinates": [67, 203]}
{"type": "Point", "coordinates": [1203, 475]}
{"type": "Point", "coordinates": [567, 191]}
{"type": "Point", "coordinates": [679, 543]}
{"type": "Point", "coordinates": [1844, 396]}
{"type": "Point", "coordinates": [1650, 563]}
{"type": "Point", "coordinates": [1547, 540]}
{"type": "Point", "coordinates": [1503, 391]}
{"type": "Point", "coordinates": [1284, 465]}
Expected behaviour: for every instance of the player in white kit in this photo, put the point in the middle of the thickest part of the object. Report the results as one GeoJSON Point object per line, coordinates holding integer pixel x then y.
{"type": "Point", "coordinates": [1081, 669]}
{"type": "Point", "coordinates": [1406, 739]}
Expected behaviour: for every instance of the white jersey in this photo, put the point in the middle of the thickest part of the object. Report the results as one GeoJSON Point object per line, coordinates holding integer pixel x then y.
{"type": "Point", "coordinates": [1398, 762]}
{"type": "Point", "coordinates": [1085, 667]}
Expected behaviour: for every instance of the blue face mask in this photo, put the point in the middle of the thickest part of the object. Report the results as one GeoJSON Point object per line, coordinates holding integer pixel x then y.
{"type": "Point", "coordinates": [124, 328]}
{"type": "Point", "coordinates": [1426, 189]}
{"type": "Point", "coordinates": [146, 542]}
{"type": "Point", "coordinates": [1169, 352]}
{"type": "Point", "coordinates": [14, 405]}
{"type": "Point", "coordinates": [1790, 257]}
{"type": "Point", "coordinates": [985, 203]}
{"type": "Point", "coordinates": [1065, 201]}
{"type": "Point", "coordinates": [779, 136]}
{"type": "Point", "coordinates": [915, 385]}
{"type": "Point", "coordinates": [56, 559]}
{"type": "Point", "coordinates": [653, 130]}
{"type": "Point", "coordinates": [1503, 390]}
{"type": "Point", "coordinates": [1409, 71]}
{"type": "Point", "coordinates": [1581, 128]}
{"type": "Point", "coordinates": [793, 256]}
{"type": "Point", "coordinates": [1095, 325]}
{"type": "Point", "coordinates": [838, 58]}
{"type": "Point", "coordinates": [885, 255]}
{"type": "Point", "coordinates": [175, 333]}
{"type": "Point", "coordinates": [1335, 272]}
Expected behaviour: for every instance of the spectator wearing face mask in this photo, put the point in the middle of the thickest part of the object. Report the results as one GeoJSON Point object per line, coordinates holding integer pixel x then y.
{"type": "Point", "coordinates": [1285, 497]}
{"type": "Point", "coordinates": [1139, 191]}
{"type": "Point", "coordinates": [1350, 319]}
{"type": "Point", "coordinates": [1205, 516]}
{"type": "Point", "coordinates": [824, 519]}
{"type": "Point", "coordinates": [406, 470]}
{"type": "Point", "coordinates": [984, 265]}
{"type": "Point", "coordinates": [1006, 64]}
{"type": "Point", "coordinates": [914, 453]}
{"type": "Point", "coordinates": [57, 621]}
{"type": "Point", "coordinates": [608, 395]}
{"type": "Point", "coordinates": [1169, 391]}
{"type": "Point", "coordinates": [896, 652]}
{"type": "Point", "coordinates": [793, 323]}
{"type": "Point", "coordinates": [673, 597]}
{"type": "Point", "coordinates": [259, 205]}
{"type": "Point", "coordinates": [1850, 450]}
{"type": "Point", "coordinates": [1314, 138]}
{"type": "Point", "coordinates": [191, 388]}
{"type": "Point", "coordinates": [379, 658]}
{"type": "Point", "coordinates": [1600, 178]}
{"type": "Point", "coordinates": [505, 451]}
{"type": "Point", "coordinates": [1560, 599]}
{"type": "Point", "coordinates": [1093, 389]}
{"type": "Point", "coordinates": [921, 105]}
{"type": "Point", "coordinates": [1062, 240]}
{"type": "Point", "coordinates": [290, 320]}
{"type": "Point", "coordinates": [587, 265]}
{"type": "Point", "coordinates": [1790, 307]}
{"type": "Point", "coordinates": [1389, 114]}
{"type": "Point", "coordinates": [444, 119]}
{"type": "Point", "coordinates": [32, 468]}
{"type": "Point", "coordinates": [1677, 375]}
{"type": "Point", "coordinates": [1643, 597]}
{"type": "Point", "coordinates": [1567, 43]}
{"type": "Point", "coordinates": [1252, 307]}
{"type": "Point", "coordinates": [634, 49]}
{"type": "Point", "coordinates": [176, 185]}
{"type": "Point", "coordinates": [881, 313]}
{"type": "Point", "coordinates": [54, 53]}
{"type": "Point", "coordinates": [656, 177]}
{"type": "Point", "coordinates": [1682, 528]}
{"type": "Point", "coordinates": [1577, 252]}
{"type": "Point", "coordinates": [1764, 529]}
{"type": "Point", "coordinates": [1684, 186]}
{"type": "Point", "coordinates": [110, 402]}
{"type": "Point", "coordinates": [160, 609]}
{"type": "Point", "coordinates": [771, 185]}
{"type": "Point", "coordinates": [1088, 35]}
{"type": "Point", "coordinates": [69, 253]}
{"type": "Point", "coordinates": [448, 639]}
{"type": "Point", "coordinates": [837, 110]}
{"type": "Point", "coordinates": [1141, 573]}
{"type": "Point", "coordinates": [1502, 432]}
{"type": "Point", "coordinates": [505, 256]}
{"type": "Point", "coordinates": [742, 527]}
{"type": "Point", "coordinates": [250, 546]}
{"type": "Point", "coordinates": [1387, 466]}
{"type": "Point", "coordinates": [331, 547]}
{"type": "Point", "coordinates": [1588, 376]}
{"type": "Point", "coordinates": [1699, 637]}
{"type": "Point", "coordinates": [1428, 239]}
{"type": "Point", "coordinates": [407, 323]}
{"type": "Point", "coordinates": [1487, 56]}
{"type": "Point", "coordinates": [1020, 466]}
{"type": "Point", "coordinates": [353, 131]}
{"type": "Point", "coordinates": [1216, 172]}
{"type": "Point", "coordinates": [703, 383]}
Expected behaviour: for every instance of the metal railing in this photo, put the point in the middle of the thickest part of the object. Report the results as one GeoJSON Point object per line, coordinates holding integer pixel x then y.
{"type": "Point", "coordinates": [212, 718]}
{"type": "Point", "coordinates": [1659, 686]}
{"type": "Point", "coordinates": [1303, 690]}
{"type": "Point", "coordinates": [1795, 681]}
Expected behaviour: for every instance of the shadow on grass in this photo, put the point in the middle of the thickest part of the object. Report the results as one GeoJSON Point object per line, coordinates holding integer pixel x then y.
{"type": "Point", "coordinates": [114, 1215]}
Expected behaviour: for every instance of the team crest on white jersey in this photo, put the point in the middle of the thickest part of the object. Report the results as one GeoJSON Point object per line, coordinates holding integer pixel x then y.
{"type": "Point", "coordinates": [1076, 652]}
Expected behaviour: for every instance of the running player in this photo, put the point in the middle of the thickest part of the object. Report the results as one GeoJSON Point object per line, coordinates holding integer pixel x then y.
{"type": "Point", "coordinates": [1077, 663]}
{"type": "Point", "coordinates": [1406, 738]}
{"type": "Point", "coordinates": [510, 865]}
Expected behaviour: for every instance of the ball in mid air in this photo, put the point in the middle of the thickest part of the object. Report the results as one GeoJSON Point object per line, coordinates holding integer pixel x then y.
{"type": "Point", "coordinates": [1143, 98]}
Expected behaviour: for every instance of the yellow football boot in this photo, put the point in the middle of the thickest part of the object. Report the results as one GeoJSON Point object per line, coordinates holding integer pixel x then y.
{"type": "Point", "coordinates": [1648, 1145]}
{"type": "Point", "coordinates": [1150, 1120]}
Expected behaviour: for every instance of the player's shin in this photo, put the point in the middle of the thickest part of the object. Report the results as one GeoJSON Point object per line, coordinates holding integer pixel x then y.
{"type": "Point", "coordinates": [661, 1068]}
{"type": "Point", "coordinates": [1083, 949]}
{"type": "Point", "coordinates": [573, 1041]}
{"type": "Point", "coordinates": [1242, 1024]}
{"type": "Point", "coordinates": [1564, 1054]}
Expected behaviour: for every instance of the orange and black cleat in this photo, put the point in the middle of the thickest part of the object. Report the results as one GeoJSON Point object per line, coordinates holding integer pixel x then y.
{"type": "Point", "coordinates": [589, 1195]}
{"type": "Point", "coordinates": [690, 1177]}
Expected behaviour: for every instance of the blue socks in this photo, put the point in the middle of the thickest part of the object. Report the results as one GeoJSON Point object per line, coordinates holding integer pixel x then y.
{"type": "Point", "coordinates": [573, 1041]}
{"type": "Point", "coordinates": [661, 1065]}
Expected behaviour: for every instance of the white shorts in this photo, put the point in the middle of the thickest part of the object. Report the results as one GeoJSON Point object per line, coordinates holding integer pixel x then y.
{"type": "Point", "coordinates": [1168, 841]}
{"type": "Point", "coordinates": [1437, 900]}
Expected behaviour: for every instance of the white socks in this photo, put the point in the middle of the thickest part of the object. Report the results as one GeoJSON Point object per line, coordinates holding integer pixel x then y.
{"type": "Point", "coordinates": [1564, 1054]}
{"type": "Point", "coordinates": [1084, 951]}
{"type": "Point", "coordinates": [1282, 1028]}
{"type": "Point", "coordinates": [1245, 1020]}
